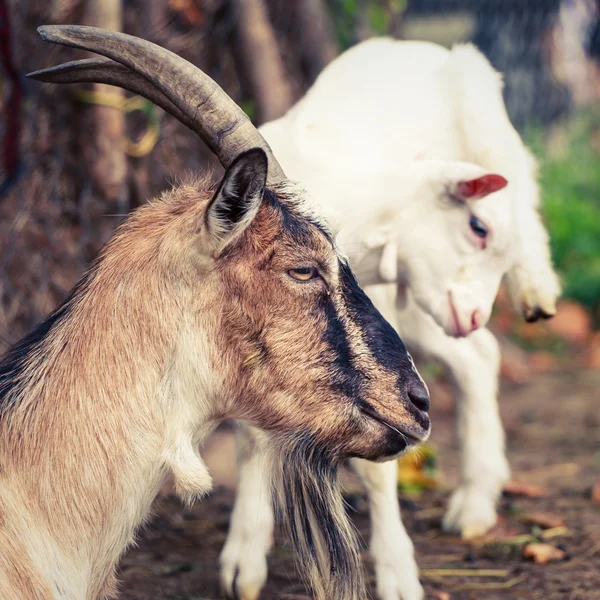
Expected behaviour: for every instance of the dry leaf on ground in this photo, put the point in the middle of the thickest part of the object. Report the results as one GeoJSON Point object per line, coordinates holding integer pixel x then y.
{"type": "Point", "coordinates": [545, 520]}
{"type": "Point", "coordinates": [521, 488]}
{"type": "Point", "coordinates": [442, 596]}
{"type": "Point", "coordinates": [417, 470]}
{"type": "Point", "coordinates": [543, 553]}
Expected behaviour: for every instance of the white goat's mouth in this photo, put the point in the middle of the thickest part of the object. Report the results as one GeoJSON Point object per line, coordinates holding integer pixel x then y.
{"type": "Point", "coordinates": [457, 329]}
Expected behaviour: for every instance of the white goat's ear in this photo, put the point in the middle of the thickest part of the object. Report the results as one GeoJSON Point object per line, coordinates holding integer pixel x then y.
{"type": "Point", "coordinates": [479, 187]}
{"type": "Point", "coordinates": [460, 180]}
{"type": "Point", "coordinates": [238, 198]}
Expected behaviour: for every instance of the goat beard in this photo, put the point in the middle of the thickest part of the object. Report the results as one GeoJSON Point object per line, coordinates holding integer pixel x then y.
{"type": "Point", "coordinates": [308, 496]}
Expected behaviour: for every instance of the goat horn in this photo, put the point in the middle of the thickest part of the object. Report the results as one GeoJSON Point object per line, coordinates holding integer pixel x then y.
{"type": "Point", "coordinates": [106, 70]}
{"type": "Point", "coordinates": [165, 78]}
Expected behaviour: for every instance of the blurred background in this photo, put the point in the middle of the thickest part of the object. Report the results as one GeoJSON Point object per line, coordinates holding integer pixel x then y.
{"type": "Point", "coordinates": [74, 160]}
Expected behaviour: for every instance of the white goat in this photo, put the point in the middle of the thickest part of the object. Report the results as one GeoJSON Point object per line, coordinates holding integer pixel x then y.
{"type": "Point", "coordinates": [393, 122]}
{"type": "Point", "coordinates": [210, 303]}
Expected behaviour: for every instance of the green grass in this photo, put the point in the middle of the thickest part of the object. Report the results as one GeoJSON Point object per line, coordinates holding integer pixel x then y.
{"type": "Point", "coordinates": [570, 184]}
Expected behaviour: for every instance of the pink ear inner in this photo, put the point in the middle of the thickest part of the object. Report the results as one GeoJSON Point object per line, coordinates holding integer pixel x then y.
{"type": "Point", "coordinates": [481, 187]}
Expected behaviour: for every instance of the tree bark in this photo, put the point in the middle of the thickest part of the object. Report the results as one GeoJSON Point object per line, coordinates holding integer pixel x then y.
{"type": "Point", "coordinates": [149, 23]}
{"type": "Point", "coordinates": [105, 149]}
{"type": "Point", "coordinates": [259, 61]}
{"type": "Point", "coordinates": [315, 36]}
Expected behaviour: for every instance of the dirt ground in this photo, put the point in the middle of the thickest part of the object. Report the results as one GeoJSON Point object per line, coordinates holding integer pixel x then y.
{"type": "Point", "coordinates": [553, 436]}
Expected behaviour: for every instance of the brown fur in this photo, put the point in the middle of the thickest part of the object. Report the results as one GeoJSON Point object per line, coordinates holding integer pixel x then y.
{"type": "Point", "coordinates": [162, 340]}
{"type": "Point", "coordinates": [190, 316]}
{"type": "Point", "coordinates": [264, 341]}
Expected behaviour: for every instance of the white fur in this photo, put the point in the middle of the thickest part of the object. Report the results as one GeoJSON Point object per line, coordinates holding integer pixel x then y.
{"type": "Point", "coordinates": [244, 556]}
{"type": "Point", "coordinates": [397, 574]}
{"type": "Point", "coordinates": [473, 362]}
{"type": "Point", "coordinates": [382, 139]}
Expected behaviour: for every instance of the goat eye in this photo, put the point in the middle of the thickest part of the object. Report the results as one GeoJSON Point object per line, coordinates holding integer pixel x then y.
{"type": "Point", "coordinates": [478, 228]}
{"type": "Point", "coordinates": [303, 273]}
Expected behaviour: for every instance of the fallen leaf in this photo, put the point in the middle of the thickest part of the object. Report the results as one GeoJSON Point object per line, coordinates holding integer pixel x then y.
{"type": "Point", "coordinates": [521, 488]}
{"type": "Point", "coordinates": [545, 520]}
{"type": "Point", "coordinates": [596, 492]}
{"type": "Point", "coordinates": [442, 596]}
{"type": "Point", "coordinates": [417, 470]}
{"type": "Point", "coordinates": [543, 553]}
{"type": "Point", "coordinates": [519, 540]}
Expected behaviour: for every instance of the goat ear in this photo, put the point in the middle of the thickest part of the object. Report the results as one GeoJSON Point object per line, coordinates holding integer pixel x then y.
{"type": "Point", "coordinates": [236, 202]}
{"type": "Point", "coordinates": [474, 189]}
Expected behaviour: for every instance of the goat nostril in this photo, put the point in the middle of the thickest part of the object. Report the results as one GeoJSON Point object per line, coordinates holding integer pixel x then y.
{"type": "Point", "coordinates": [419, 396]}
{"type": "Point", "coordinates": [476, 320]}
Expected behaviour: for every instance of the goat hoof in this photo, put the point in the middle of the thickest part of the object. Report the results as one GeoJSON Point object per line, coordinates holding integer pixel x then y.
{"type": "Point", "coordinates": [396, 572]}
{"type": "Point", "coordinates": [243, 577]}
{"type": "Point", "coordinates": [396, 583]}
{"type": "Point", "coordinates": [536, 313]}
{"type": "Point", "coordinates": [471, 513]}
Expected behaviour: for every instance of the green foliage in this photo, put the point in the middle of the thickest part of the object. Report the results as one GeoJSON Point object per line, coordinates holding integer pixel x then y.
{"type": "Point", "coordinates": [379, 18]}
{"type": "Point", "coordinates": [570, 184]}
{"type": "Point", "coordinates": [249, 107]}
{"type": "Point", "coordinates": [351, 15]}
{"type": "Point", "coordinates": [345, 18]}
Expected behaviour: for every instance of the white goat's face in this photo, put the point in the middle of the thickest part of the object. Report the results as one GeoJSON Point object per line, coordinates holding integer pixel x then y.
{"type": "Point", "coordinates": [457, 246]}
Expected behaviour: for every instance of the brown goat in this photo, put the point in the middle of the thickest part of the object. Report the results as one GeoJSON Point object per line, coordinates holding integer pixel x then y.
{"type": "Point", "coordinates": [206, 304]}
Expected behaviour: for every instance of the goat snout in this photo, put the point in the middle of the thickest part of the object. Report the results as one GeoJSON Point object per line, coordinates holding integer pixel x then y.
{"type": "Point", "coordinates": [462, 323]}
{"type": "Point", "coordinates": [536, 313]}
{"type": "Point", "coordinates": [419, 396]}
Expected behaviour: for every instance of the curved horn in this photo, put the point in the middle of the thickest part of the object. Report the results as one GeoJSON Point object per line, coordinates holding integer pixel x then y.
{"type": "Point", "coordinates": [209, 111]}
{"type": "Point", "coordinates": [106, 70]}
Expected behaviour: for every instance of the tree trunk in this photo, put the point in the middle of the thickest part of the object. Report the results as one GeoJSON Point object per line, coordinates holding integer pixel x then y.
{"type": "Point", "coordinates": [149, 23]}
{"type": "Point", "coordinates": [104, 150]}
{"type": "Point", "coordinates": [315, 36]}
{"type": "Point", "coordinates": [259, 62]}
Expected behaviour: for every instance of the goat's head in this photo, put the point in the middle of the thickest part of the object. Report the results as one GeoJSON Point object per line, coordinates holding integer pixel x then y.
{"type": "Point", "coordinates": [458, 247]}
{"type": "Point", "coordinates": [301, 346]}
{"type": "Point", "coordinates": [468, 234]}
{"type": "Point", "coordinates": [297, 347]}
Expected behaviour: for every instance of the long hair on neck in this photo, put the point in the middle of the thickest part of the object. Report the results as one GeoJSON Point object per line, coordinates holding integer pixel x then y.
{"type": "Point", "coordinates": [308, 496]}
